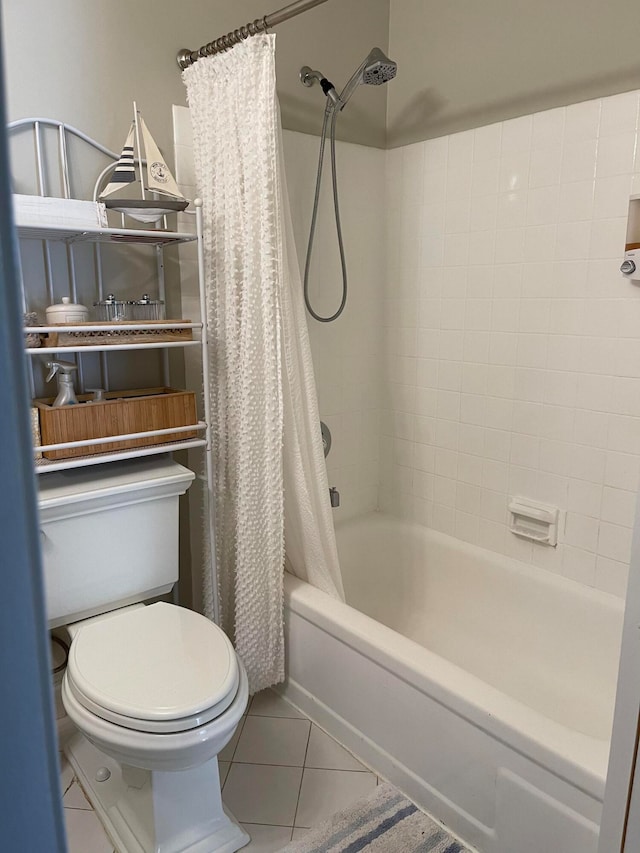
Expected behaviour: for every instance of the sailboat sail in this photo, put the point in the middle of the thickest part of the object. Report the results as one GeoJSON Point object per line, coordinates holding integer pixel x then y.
{"type": "Point", "coordinates": [159, 177]}
{"type": "Point", "coordinates": [124, 172]}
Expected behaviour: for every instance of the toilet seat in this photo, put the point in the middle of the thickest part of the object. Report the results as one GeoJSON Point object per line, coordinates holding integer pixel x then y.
{"type": "Point", "coordinates": [158, 669]}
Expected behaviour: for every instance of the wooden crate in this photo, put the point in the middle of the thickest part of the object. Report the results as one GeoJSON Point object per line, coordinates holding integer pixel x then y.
{"type": "Point", "coordinates": [121, 413]}
{"type": "Point", "coordinates": [146, 334]}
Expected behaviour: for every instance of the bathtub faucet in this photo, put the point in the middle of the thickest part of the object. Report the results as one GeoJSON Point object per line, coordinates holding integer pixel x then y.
{"type": "Point", "coordinates": [334, 497]}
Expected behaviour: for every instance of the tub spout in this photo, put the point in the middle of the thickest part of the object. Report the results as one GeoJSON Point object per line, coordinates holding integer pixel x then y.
{"type": "Point", "coordinates": [334, 497]}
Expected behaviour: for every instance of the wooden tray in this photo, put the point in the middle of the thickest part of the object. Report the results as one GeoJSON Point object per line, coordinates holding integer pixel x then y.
{"type": "Point", "coordinates": [121, 413]}
{"type": "Point", "coordinates": [116, 335]}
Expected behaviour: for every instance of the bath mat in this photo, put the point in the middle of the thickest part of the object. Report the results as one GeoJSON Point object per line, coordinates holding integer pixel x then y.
{"type": "Point", "coordinates": [383, 822]}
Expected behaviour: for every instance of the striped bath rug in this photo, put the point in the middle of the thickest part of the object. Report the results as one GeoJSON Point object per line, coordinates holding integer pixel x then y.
{"type": "Point", "coordinates": [383, 822]}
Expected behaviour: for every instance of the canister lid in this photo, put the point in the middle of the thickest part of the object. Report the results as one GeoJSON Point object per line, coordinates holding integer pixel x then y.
{"type": "Point", "coordinates": [146, 300]}
{"type": "Point", "coordinates": [110, 300]}
{"type": "Point", "coordinates": [67, 303]}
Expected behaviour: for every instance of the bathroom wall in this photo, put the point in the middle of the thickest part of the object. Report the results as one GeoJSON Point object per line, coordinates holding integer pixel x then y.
{"type": "Point", "coordinates": [347, 354]}
{"type": "Point", "coordinates": [464, 65]}
{"type": "Point", "coordinates": [512, 341]}
{"type": "Point", "coordinates": [84, 63]}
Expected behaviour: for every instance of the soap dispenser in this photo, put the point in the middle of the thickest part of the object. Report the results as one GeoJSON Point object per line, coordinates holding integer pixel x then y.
{"type": "Point", "coordinates": [64, 371]}
{"type": "Point", "coordinates": [631, 263]}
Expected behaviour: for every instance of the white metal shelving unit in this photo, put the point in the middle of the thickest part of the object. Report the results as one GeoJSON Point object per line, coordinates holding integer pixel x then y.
{"type": "Point", "coordinates": [42, 132]}
{"type": "Point", "coordinates": [52, 141]}
{"type": "Point", "coordinates": [158, 239]}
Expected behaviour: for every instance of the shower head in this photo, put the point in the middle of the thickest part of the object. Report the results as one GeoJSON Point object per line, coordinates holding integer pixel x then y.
{"type": "Point", "coordinates": [376, 69]}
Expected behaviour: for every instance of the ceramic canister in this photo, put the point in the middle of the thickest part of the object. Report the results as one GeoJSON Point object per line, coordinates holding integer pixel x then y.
{"type": "Point", "coordinates": [66, 312]}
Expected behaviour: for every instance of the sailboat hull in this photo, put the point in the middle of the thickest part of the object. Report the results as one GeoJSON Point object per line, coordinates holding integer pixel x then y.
{"type": "Point", "coordinates": [146, 210]}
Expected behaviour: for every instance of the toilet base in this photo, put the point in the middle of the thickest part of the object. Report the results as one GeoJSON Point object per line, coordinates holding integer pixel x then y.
{"type": "Point", "coordinates": [156, 812]}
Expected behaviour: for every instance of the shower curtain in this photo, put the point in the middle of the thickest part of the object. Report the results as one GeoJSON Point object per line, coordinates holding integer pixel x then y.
{"type": "Point", "coordinates": [271, 489]}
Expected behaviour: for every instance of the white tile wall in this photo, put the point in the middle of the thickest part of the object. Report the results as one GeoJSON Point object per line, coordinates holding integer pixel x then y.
{"type": "Point", "coordinates": [490, 346]}
{"type": "Point", "coordinates": [512, 342]}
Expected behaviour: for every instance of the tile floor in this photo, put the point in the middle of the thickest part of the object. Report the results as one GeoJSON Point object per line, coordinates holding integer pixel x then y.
{"type": "Point", "coordinates": [280, 773]}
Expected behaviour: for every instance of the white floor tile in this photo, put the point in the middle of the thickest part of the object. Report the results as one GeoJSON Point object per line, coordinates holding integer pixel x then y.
{"type": "Point", "coordinates": [75, 798]}
{"type": "Point", "coordinates": [323, 752]}
{"type": "Point", "coordinates": [271, 740]}
{"type": "Point", "coordinates": [325, 792]}
{"type": "Point", "coordinates": [223, 769]}
{"type": "Point", "coordinates": [230, 748]}
{"type": "Point", "coordinates": [299, 832]}
{"type": "Point", "coordinates": [266, 839]}
{"type": "Point", "coordinates": [261, 793]}
{"type": "Point", "coordinates": [270, 704]}
{"type": "Point", "coordinates": [85, 833]}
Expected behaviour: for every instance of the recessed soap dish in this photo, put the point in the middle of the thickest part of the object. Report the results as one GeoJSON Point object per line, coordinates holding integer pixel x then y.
{"type": "Point", "coordinates": [535, 521]}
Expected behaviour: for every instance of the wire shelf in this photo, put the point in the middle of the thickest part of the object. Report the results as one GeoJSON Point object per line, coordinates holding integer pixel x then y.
{"type": "Point", "coordinates": [69, 234]}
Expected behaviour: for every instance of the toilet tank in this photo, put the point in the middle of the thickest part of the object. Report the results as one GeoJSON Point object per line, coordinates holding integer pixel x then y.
{"type": "Point", "coordinates": [109, 535]}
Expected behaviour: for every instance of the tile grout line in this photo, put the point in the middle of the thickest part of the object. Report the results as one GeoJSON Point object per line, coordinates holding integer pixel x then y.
{"type": "Point", "coordinates": [303, 766]}
{"type": "Point", "coordinates": [240, 730]}
{"type": "Point", "coordinates": [230, 761]}
{"type": "Point", "coordinates": [276, 717]}
{"type": "Point", "coordinates": [295, 815]}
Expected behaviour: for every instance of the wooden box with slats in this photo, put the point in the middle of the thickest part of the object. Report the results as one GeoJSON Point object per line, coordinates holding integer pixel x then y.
{"type": "Point", "coordinates": [120, 413]}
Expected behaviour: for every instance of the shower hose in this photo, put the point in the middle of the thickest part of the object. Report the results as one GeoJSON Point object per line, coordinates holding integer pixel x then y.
{"type": "Point", "coordinates": [331, 113]}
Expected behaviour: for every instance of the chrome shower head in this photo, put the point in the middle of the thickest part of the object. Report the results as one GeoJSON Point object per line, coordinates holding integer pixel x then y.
{"type": "Point", "coordinates": [379, 68]}
{"type": "Point", "coordinates": [376, 69]}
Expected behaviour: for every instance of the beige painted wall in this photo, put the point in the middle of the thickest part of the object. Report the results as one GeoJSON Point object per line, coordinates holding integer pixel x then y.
{"type": "Point", "coordinates": [461, 64]}
{"type": "Point", "coordinates": [466, 64]}
{"type": "Point", "coordinates": [84, 62]}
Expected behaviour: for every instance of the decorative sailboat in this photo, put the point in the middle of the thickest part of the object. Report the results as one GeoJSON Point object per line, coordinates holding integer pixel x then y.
{"type": "Point", "coordinates": [159, 179]}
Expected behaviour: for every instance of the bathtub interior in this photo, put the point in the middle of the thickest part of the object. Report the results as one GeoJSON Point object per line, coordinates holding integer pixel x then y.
{"type": "Point", "coordinates": [543, 640]}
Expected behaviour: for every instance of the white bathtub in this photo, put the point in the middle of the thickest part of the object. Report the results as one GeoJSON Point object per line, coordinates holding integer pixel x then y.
{"type": "Point", "coordinates": [482, 687]}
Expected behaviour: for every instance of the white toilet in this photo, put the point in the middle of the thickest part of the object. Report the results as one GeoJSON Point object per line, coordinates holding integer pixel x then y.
{"type": "Point", "coordinates": [154, 691]}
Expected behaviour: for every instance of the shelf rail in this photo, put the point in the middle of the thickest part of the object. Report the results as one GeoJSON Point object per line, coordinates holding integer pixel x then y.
{"type": "Point", "coordinates": [46, 466]}
{"type": "Point", "coordinates": [109, 439]}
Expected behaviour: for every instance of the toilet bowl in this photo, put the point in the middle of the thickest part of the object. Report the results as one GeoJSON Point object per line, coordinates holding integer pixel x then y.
{"type": "Point", "coordinates": [155, 693]}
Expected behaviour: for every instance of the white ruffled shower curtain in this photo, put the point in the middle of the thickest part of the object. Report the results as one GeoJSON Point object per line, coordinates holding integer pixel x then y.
{"type": "Point", "coordinates": [271, 486]}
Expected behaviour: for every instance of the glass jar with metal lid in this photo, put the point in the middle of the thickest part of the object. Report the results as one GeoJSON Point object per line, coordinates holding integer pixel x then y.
{"type": "Point", "coordinates": [147, 309]}
{"type": "Point", "coordinates": [111, 309]}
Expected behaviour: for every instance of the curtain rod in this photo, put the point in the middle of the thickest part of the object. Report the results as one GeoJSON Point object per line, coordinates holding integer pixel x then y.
{"type": "Point", "coordinates": [187, 57]}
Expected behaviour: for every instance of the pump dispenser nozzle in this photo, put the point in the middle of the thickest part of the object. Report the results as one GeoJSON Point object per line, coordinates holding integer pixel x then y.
{"type": "Point", "coordinates": [64, 370]}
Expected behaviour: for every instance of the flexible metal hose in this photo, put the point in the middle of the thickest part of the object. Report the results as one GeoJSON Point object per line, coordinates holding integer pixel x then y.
{"type": "Point", "coordinates": [330, 112]}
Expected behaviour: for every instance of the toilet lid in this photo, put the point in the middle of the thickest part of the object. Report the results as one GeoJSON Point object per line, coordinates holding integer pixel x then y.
{"type": "Point", "coordinates": [159, 663]}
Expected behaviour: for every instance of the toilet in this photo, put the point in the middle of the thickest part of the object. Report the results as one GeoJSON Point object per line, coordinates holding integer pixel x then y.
{"type": "Point", "coordinates": [154, 690]}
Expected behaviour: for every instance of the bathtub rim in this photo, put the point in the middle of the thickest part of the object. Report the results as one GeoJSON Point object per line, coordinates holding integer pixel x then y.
{"type": "Point", "coordinates": [578, 759]}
